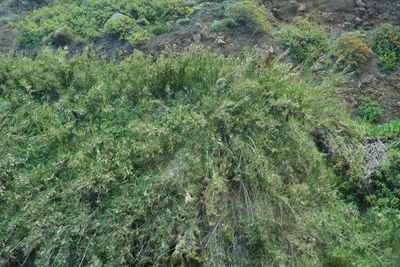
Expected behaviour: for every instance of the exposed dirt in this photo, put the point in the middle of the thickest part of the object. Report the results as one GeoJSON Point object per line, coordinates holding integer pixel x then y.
{"type": "Point", "coordinates": [199, 32]}
{"type": "Point", "coordinates": [8, 35]}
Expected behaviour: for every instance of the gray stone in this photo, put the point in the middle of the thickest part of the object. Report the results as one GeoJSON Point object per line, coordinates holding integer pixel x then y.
{"type": "Point", "coordinates": [358, 20]}
{"type": "Point", "coordinates": [116, 16]}
{"type": "Point", "coordinates": [319, 67]}
{"type": "Point", "coordinates": [342, 5]}
{"type": "Point", "coordinates": [360, 3]}
{"type": "Point", "coordinates": [221, 42]}
{"type": "Point", "coordinates": [263, 54]}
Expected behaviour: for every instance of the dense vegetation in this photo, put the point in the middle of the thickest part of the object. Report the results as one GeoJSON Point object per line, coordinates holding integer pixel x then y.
{"type": "Point", "coordinates": [194, 158]}
{"type": "Point", "coordinates": [143, 162]}
{"type": "Point", "coordinates": [86, 19]}
{"type": "Point", "coordinates": [386, 44]}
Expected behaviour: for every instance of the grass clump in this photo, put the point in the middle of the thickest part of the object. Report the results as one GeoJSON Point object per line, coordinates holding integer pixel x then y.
{"type": "Point", "coordinates": [352, 53]}
{"type": "Point", "coordinates": [386, 44]}
{"type": "Point", "coordinates": [119, 26]}
{"type": "Point", "coordinates": [304, 40]}
{"type": "Point", "coordinates": [248, 13]}
{"type": "Point", "coordinates": [144, 162]}
{"type": "Point", "coordinates": [370, 110]}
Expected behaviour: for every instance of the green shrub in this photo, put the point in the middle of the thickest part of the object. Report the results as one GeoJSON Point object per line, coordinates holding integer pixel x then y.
{"type": "Point", "coordinates": [226, 23]}
{"type": "Point", "coordinates": [352, 53]}
{"type": "Point", "coordinates": [120, 26]}
{"type": "Point", "coordinates": [159, 28]}
{"type": "Point", "coordinates": [144, 162]}
{"type": "Point", "coordinates": [250, 14]}
{"type": "Point", "coordinates": [87, 19]}
{"type": "Point", "coordinates": [304, 40]}
{"type": "Point", "coordinates": [386, 44]}
{"type": "Point", "coordinates": [30, 34]}
{"type": "Point", "coordinates": [370, 110]}
{"type": "Point", "coordinates": [390, 129]}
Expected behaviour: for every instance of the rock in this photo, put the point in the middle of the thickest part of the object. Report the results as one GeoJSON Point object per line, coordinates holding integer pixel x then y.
{"type": "Point", "coordinates": [302, 8]}
{"type": "Point", "coordinates": [263, 54]}
{"type": "Point", "coordinates": [335, 5]}
{"type": "Point", "coordinates": [319, 67]}
{"type": "Point", "coordinates": [271, 50]}
{"type": "Point", "coordinates": [116, 16]}
{"type": "Point", "coordinates": [342, 5]}
{"type": "Point", "coordinates": [197, 37]}
{"type": "Point", "coordinates": [221, 83]}
{"type": "Point", "coordinates": [326, 16]}
{"type": "Point", "coordinates": [143, 22]}
{"type": "Point", "coordinates": [220, 42]}
{"type": "Point", "coordinates": [347, 25]}
{"type": "Point", "coordinates": [361, 9]}
{"type": "Point", "coordinates": [360, 3]}
{"type": "Point", "coordinates": [358, 20]}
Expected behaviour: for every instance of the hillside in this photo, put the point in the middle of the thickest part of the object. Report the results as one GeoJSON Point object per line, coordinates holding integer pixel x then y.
{"type": "Point", "coordinates": [199, 133]}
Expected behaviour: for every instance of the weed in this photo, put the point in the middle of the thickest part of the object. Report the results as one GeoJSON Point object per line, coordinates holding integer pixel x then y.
{"type": "Point", "coordinates": [352, 53]}
{"type": "Point", "coordinates": [370, 110]}
{"type": "Point", "coordinates": [386, 44]}
{"type": "Point", "coordinates": [304, 40]}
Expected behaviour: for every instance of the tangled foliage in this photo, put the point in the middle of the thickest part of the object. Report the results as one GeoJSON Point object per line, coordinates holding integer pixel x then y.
{"type": "Point", "coordinates": [196, 159]}
{"type": "Point", "coordinates": [242, 13]}
{"type": "Point", "coordinates": [385, 180]}
{"type": "Point", "coordinates": [304, 40]}
{"type": "Point", "coordinates": [370, 110]}
{"type": "Point", "coordinates": [386, 44]}
{"type": "Point", "coordinates": [352, 53]}
{"type": "Point", "coordinates": [249, 13]}
{"type": "Point", "coordinates": [86, 19]}
{"type": "Point", "coordinates": [120, 26]}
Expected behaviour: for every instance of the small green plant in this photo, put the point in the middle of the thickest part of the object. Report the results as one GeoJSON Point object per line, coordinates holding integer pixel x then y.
{"type": "Point", "coordinates": [30, 34]}
{"type": "Point", "coordinates": [390, 129]}
{"type": "Point", "coordinates": [386, 44]}
{"type": "Point", "coordinates": [249, 14]}
{"type": "Point", "coordinates": [304, 40]}
{"type": "Point", "coordinates": [119, 26]}
{"type": "Point", "coordinates": [386, 181]}
{"type": "Point", "coordinates": [159, 28]}
{"type": "Point", "coordinates": [226, 23]}
{"type": "Point", "coordinates": [370, 110]}
{"type": "Point", "coordinates": [352, 53]}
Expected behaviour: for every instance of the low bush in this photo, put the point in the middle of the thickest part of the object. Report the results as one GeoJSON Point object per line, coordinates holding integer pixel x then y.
{"type": "Point", "coordinates": [386, 44]}
{"type": "Point", "coordinates": [120, 26]}
{"type": "Point", "coordinates": [248, 13]}
{"type": "Point", "coordinates": [352, 53]}
{"type": "Point", "coordinates": [304, 40]}
{"type": "Point", "coordinates": [385, 183]}
{"type": "Point", "coordinates": [30, 35]}
{"type": "Point", "coordinates": [144, 162]}
{"type": "Point", "coordinates": [223, 24]}
{"type": "Point", "coordinates": [87, 19]}
{"type": "Point", "coordinates": [370, 110]}
{"type": "Point", "coordinates": [389, 130]}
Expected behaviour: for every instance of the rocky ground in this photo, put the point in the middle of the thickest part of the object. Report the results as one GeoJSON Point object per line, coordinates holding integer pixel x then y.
{"type": "Point", "coordinates": [339, 16]}
{"type": "Point", "coordinates": [7, 33]}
